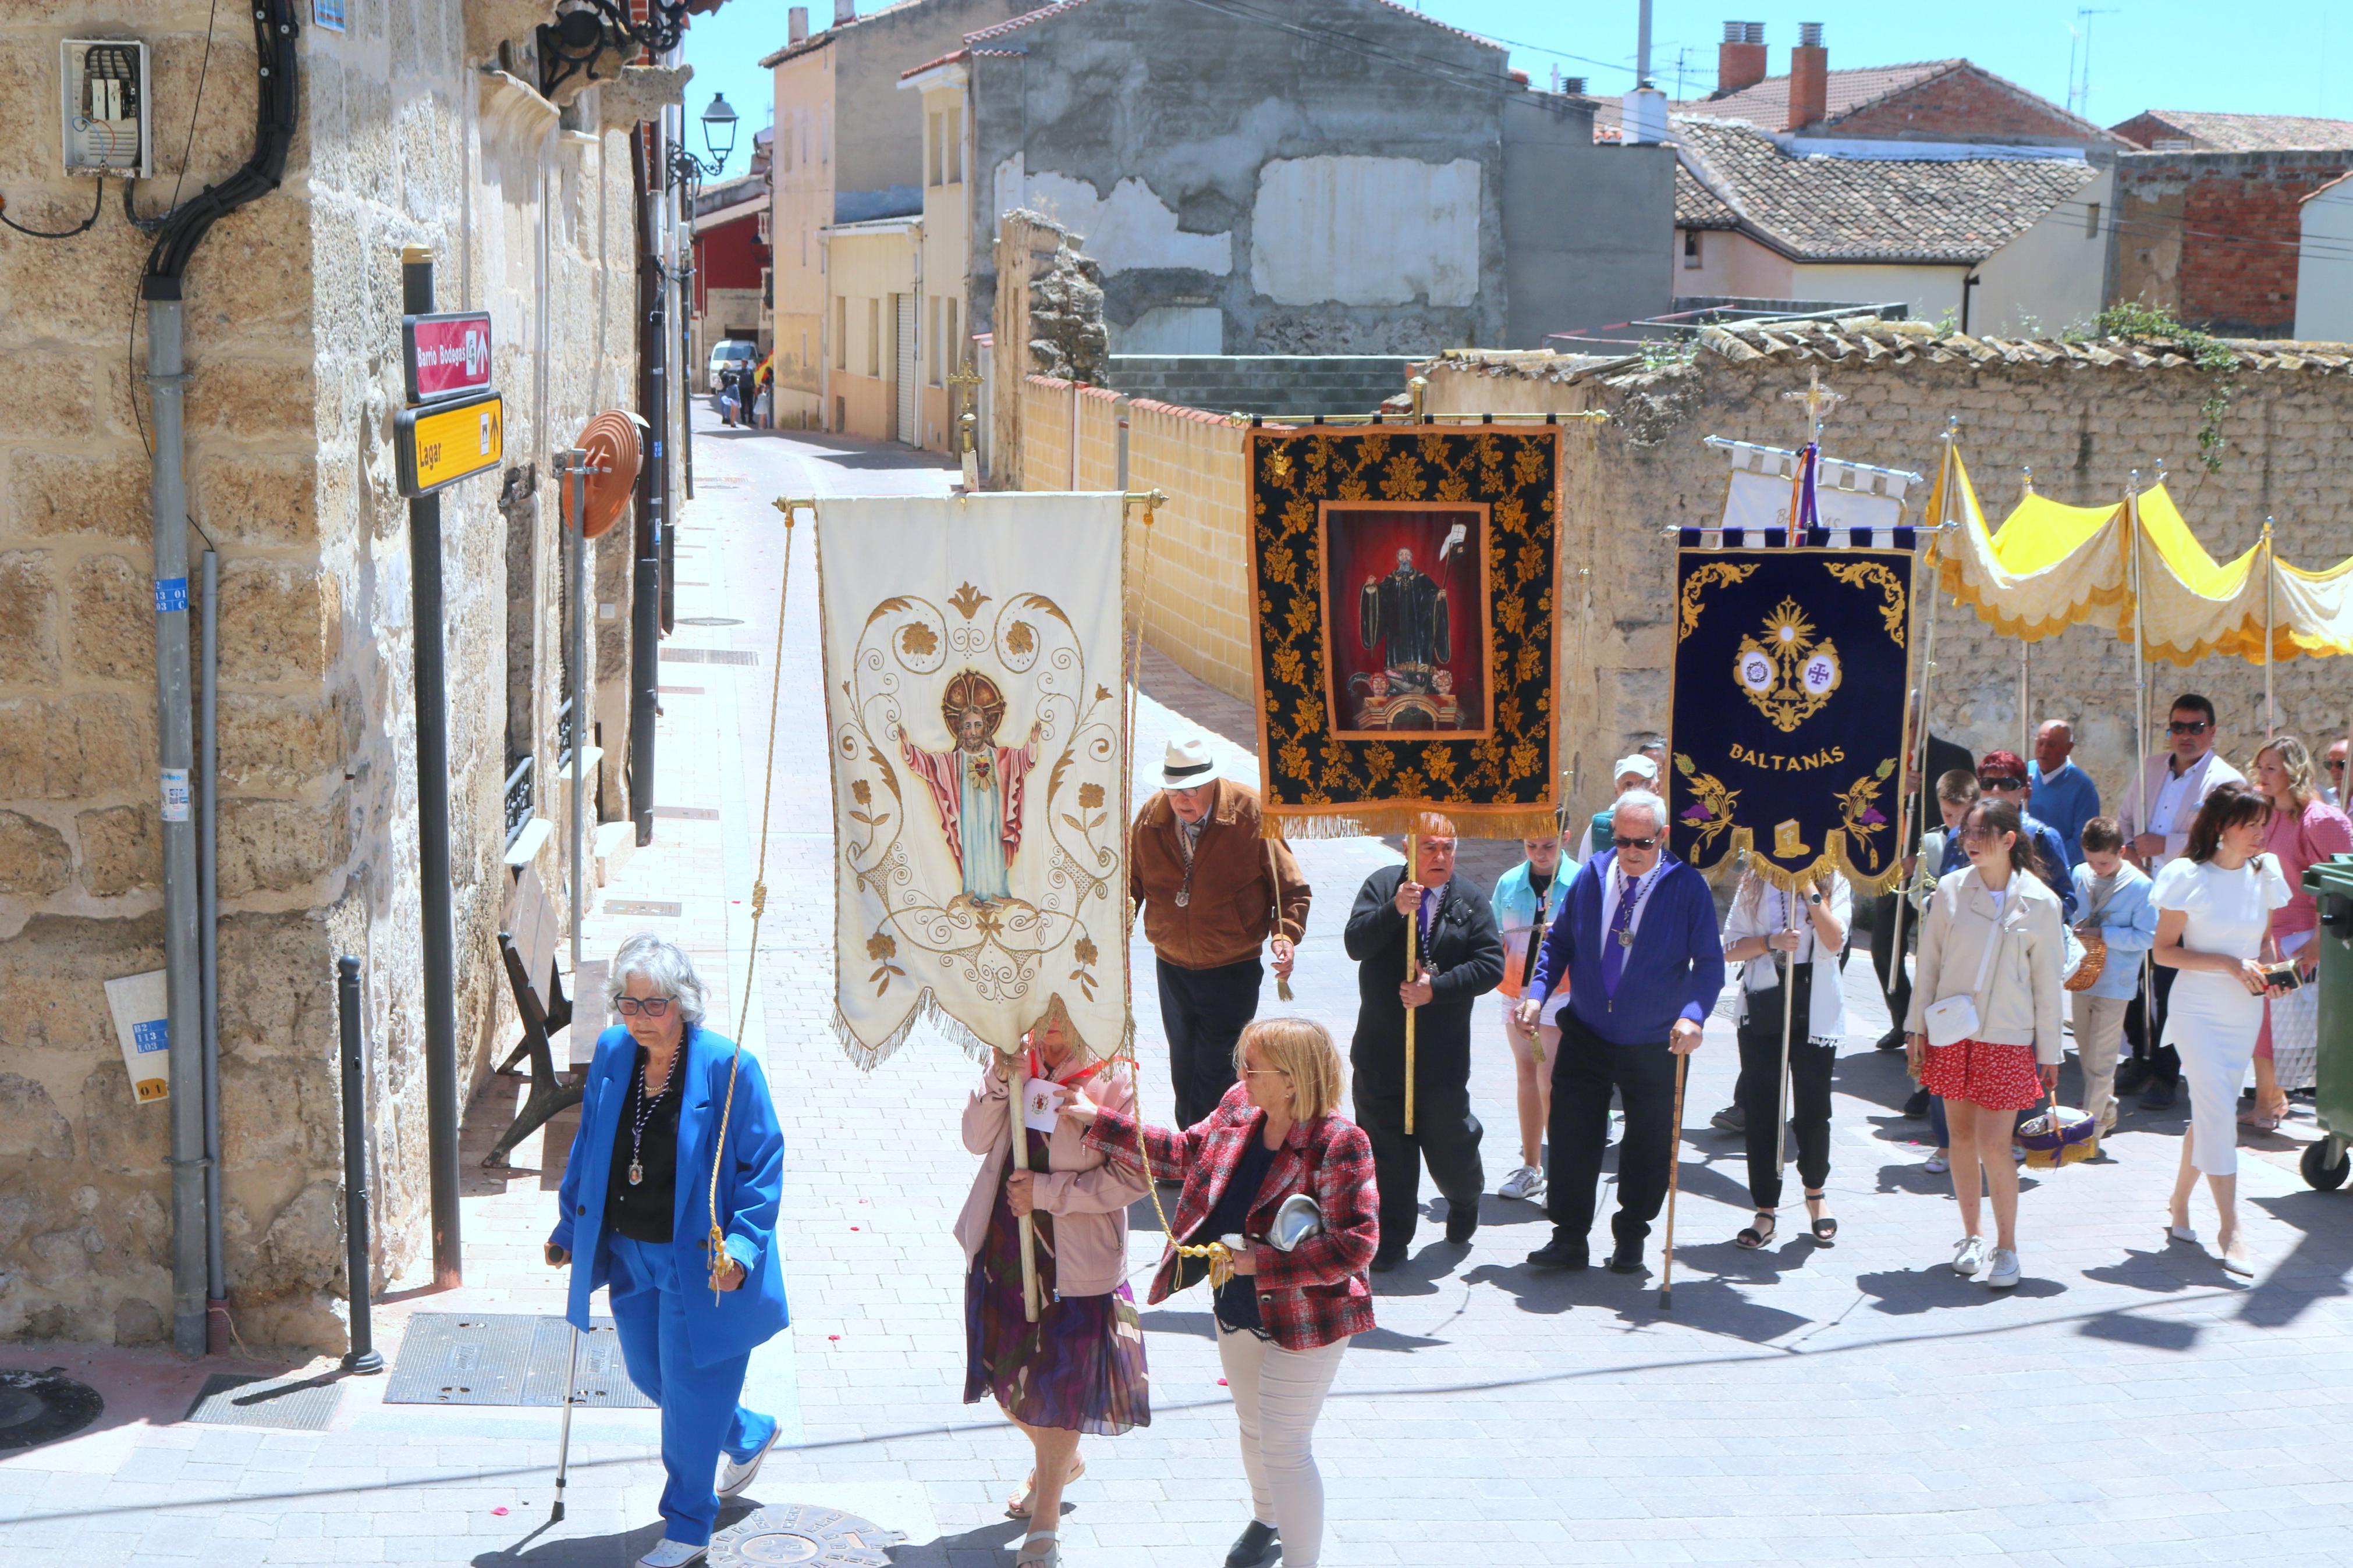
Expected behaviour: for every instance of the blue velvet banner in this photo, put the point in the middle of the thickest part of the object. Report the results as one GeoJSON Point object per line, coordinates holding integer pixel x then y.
{"type": "Point", "coordinates": [1791, 674]}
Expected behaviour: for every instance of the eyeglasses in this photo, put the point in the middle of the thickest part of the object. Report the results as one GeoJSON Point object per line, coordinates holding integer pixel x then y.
{"type": "Point", "coordinates": [2187, 727]}
{"type": "Point", "coordinates": [2335, 764]}
{"type": "Point", "coordinates": [651, 1006]}
{"type": "Point", "coordinates": [1999, 780]}
{"type": "Point", "coordinates": [1625, 843]}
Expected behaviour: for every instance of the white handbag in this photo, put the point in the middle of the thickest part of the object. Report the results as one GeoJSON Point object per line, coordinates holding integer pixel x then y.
{"type": "Point", "coordinates": [1955, 1018]}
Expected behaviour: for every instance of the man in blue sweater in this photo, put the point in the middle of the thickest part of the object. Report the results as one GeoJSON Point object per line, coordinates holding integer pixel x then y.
{"type": "Point", "coordinates": [1636, 945]}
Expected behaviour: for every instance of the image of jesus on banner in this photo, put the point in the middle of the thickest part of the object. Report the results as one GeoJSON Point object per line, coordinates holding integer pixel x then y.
{"type": "Point", "coordinates": [977, 786]}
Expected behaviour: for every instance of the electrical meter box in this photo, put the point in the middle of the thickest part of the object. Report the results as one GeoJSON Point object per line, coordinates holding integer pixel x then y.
{"type": "Point", "coordinates": [107, 116]}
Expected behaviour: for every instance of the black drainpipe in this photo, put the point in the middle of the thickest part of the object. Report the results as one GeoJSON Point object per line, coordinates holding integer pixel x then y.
{"type": "Point", "coordinates": [653, 488]}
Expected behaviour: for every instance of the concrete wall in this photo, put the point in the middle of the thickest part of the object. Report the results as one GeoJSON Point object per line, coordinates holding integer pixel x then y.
{"type": "Point", "coordinates": [2324, 272]}
{"type": "Point", "coordinates": [2054, 276]}
{"type": "Point", "coordinates": [868, 270]}
{"type": "Point", "coordinates": [2082, 424]}
{"type": "Point", "coordinates": [1583, 222]}
{"type": "Point", "coordinates": [292, 318]}
{"type": "Point", "coordinates": [1324, 202]}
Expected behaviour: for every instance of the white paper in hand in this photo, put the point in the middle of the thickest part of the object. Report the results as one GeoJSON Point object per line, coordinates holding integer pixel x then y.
{"type": "Point", "coordinates": [1041, 1099]}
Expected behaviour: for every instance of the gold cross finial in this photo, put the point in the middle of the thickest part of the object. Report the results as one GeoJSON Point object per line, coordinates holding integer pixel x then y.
{"type": "Point", "coordinates": [1819, 400]}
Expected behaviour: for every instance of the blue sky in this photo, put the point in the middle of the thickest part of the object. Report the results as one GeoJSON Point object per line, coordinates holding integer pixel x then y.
{"type": "Point", "coordinates": [2276, 56]}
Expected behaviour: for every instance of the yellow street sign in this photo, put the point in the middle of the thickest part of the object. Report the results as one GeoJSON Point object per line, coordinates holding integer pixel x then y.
{"type": "Point", "coordinates": [442, 443]}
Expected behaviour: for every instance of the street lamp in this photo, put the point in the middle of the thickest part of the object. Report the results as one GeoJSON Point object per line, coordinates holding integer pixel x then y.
{"type": "Point", "coordinates": [719, 130]}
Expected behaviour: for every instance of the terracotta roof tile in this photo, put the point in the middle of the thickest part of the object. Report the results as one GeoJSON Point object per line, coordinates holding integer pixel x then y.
{"type": "Point", "coordinates": [2252, 132]}
{"type": "Point", "coordinates": [1819, 208]}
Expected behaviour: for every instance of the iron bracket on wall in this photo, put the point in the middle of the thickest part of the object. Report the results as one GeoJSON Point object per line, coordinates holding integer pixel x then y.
{"type": "Point", "coordinates": [579, 37]}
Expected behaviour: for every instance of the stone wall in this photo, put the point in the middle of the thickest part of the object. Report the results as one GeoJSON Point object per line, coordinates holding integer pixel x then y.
{"type": "Point", "coordinates": [2082, 415]}
{"type": "Point", "coordinates": [292, 318]}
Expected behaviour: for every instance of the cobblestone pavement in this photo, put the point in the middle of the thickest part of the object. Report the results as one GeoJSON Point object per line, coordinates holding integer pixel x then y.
{"type": "Point", "coordinates": [2129, 1403]}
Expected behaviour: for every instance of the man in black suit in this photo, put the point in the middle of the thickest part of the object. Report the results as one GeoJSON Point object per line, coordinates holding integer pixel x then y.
{"type": "Point", "coordinates": [1460, 958]}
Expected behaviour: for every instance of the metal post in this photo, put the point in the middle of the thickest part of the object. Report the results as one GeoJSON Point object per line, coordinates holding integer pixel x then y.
{"type": "Point", "coordinates": [2270, 560]}
{"type": "Point", "coordinates": [363, 1356]}
{"type": "Point", "coordinates": [1412, 970]}
{"type": "Point", "coordinates": [645, 606]}
{"type": "Point", "coordinates": [168, 506]}
{"type": "Point", "coordinates": [1788, 1007]}
{"type": "Point", "coordinates": [217, 1327]}
{"type": "Point", "coordinates": [575, 464]}
{"type": "Point", "coordinates": [440, 987]}
{"type": "Point", "coordinates": [2140, 758]}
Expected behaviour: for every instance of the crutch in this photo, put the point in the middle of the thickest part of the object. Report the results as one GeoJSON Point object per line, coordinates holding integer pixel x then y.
{"type": "Point", "coordinates": [563, 1447]}
{"type": "Point", "coordinates": [1674, 1170]}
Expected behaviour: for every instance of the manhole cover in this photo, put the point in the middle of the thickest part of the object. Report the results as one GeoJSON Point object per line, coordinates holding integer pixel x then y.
{"type": "Point", "coordinates": [706, 620]}
{"type": "Point", "coordinates": [509, 1358]}
{"type": "Point", "coordinates": [38, 1407]}
{"type": "Point", "coordinates": [790, 1533]}
{"type": "Point", "coordinates": [304, 1403]}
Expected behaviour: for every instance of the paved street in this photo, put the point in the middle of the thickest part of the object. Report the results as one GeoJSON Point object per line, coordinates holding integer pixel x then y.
{"type": "Point", "coordinates": [2128, 1404]}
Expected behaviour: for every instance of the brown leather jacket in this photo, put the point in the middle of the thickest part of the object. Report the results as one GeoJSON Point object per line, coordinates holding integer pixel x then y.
{"type": "Point", "coordinates": [1231, 913]}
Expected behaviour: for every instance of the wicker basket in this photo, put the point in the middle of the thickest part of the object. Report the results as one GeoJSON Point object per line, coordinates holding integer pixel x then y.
{"type": "Point", "coordinates": [2096, 959]}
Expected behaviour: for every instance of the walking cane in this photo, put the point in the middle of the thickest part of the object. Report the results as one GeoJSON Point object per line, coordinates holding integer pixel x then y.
{"type": "Point", "coordinates": [563, 1446]}
{"type": "Point", "coordinates": [1674, 1170]}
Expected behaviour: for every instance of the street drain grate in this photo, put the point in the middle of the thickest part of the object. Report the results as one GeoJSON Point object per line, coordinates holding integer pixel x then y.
{"type": "Point", "coordinates": [38, 1407]}
{"type": "Point", "coordinates": [796, 1534]}
{"type": "Point", "coordinates": [508, 1358]}
{"type": "Point", "coordinates": [709, 655]}
{"type": "Point", "coordinates": [304, 1403]}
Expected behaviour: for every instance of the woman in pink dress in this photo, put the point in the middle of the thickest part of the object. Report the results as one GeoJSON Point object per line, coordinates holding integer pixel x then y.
{"type": "Point", "coordinates": [2303, 829]}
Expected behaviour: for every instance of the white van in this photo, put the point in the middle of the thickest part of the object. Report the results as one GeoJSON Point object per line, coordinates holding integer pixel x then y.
{"type": "Point", "coordinates": [732, 354]}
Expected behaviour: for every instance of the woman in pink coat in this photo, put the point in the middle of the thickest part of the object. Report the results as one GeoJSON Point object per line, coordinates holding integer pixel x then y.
{"type": "Point", "coordinates": [1080, 1367]}
{"type": "Point", "coordinates": [2304, 830]}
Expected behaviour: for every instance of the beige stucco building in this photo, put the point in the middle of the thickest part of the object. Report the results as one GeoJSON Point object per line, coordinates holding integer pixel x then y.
{"type": "Point", "coordinates": [420, 123]}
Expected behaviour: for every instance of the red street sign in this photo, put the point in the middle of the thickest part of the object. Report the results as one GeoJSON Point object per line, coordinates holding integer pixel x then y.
{"type": "Point", "coordinates": [446, 356]}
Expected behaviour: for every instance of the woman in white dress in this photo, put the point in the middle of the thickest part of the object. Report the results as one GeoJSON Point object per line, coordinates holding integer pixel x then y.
{"type": "Point", "coordinates": [2214, 923]}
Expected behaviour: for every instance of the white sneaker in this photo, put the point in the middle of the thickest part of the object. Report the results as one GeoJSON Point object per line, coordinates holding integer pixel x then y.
{"type": "Point", "coordinates": [1936, 1164]}
{"type": "Point", "coordinates": [669, 1554]}
{"type": "Point", "coordinates": [1968, 1257]}
{"type": "Point", "coordinates": [1527, 1184]}
{"type": "Point", "coordinates": [2005, 1273]}
{"type": "Point", "coordinates": [733, 1478]}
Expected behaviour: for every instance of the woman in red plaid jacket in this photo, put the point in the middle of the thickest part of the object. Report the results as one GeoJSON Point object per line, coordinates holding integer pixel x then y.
{"type": "Point", "coordinates": [1284, 1317]}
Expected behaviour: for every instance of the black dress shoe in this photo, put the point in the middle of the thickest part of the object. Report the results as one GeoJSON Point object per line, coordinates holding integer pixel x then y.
{"type": "Point", "coordinates": [1561, 1252]}
{"type": "Point", "coordinates": [1891, 1041]}
{"type": "Point", "coordinates": [1917, 1105]}
{"type": "Point", "coordinates": [2132, 1077]}
{"type": "Point", "coordinates": [2157, 1095]}
{"type": "Point", "coordinates": [1254, 1547]}
{"type": "Point", "coordinates": [1626, 1260]}
{"type": "Point", "coordinates": [1385, 1260]}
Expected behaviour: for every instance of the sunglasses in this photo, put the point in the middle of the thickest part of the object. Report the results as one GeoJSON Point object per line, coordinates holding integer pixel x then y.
{"type": "Point", "coordinates": [1625, 843]}
{"type": "Point", "coordinates": [652, 1006]}
{"type": "Point", "coordinates": [1999, 780]}
{"type": "Point", "coordinates": [2187, 727]}
{"type": "Point", "coordinates": [2335, 764]}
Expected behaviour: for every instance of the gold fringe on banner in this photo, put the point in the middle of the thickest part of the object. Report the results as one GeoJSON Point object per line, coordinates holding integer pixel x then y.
{"type": "Point", "coordinates": [1393, 820]}
{"type": "Point", "coordinates": [1833, 857]}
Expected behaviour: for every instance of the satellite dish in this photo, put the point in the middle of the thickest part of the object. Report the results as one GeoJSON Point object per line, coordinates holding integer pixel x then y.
{"type": "Point", "coordinates": [613, 456]}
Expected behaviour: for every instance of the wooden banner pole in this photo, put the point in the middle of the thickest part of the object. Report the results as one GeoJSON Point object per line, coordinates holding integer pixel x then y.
{"type": "Point", "coordinates": [1018, 1091]}
{"type": "Point", "coordinates": [1788, 1008]}
{"type": "Point", "coordinates": [1412, 968]}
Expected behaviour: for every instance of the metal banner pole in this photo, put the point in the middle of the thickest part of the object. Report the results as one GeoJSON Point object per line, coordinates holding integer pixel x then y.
{"type": "Point", "coordinates": [2140, 740]}
{"type": "Point", "coordinates": [1788, 1008]}
{"type": "Point", "coordinates": [1412, 969]}
{"type": "Point", "coordinates": [1028, 1223]}
{"type": "Point", "coordinates": [2270, 560]}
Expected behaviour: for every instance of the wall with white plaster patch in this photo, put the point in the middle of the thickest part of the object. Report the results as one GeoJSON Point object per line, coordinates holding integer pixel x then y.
{"type": "Point", "coordinates": [1355, 230]}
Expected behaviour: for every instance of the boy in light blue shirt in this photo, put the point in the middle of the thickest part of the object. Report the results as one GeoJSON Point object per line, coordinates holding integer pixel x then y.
{"type": "Point", "coordinates": [2113, 896]}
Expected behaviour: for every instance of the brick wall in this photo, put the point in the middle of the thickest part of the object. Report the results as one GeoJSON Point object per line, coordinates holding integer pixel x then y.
{"type": "Point", "coordinates": [1043, 458]}
{"type": "Point", "coordinates": [2214, 235]}
{"type": "Point", "coordinates": [1961, 104]}
{"type": "Point", "coordinates": [1099, 415]}
{"type": "Point", "coordinates": [2081, 424]}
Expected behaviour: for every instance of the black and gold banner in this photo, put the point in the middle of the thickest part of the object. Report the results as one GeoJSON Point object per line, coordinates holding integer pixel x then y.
{"type": "Point", "coordinates": [1791, 677]}
{"type": "Point", "coordinates": [1405, 589]}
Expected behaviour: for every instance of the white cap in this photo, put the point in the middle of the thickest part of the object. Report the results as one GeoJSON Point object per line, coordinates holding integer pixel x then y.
{"type": "Point", "coordinates": [1187, 765]}
{"type": "Point", "coordinates": [1637, 764]}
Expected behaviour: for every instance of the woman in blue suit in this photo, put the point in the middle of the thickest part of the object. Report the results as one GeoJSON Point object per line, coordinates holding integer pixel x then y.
{"type": "Point", "coordinates": [636, 1217]}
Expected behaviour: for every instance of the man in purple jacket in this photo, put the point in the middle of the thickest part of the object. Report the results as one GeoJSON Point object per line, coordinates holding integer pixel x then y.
{"type": "Point", "coordinates": [1637, 945]}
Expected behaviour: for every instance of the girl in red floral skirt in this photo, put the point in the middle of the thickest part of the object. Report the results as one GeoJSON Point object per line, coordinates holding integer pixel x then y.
{"type": "Point", "coordinates": [1984, 1027]}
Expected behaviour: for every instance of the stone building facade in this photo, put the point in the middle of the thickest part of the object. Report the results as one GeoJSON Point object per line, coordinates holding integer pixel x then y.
{"type": "Point", "coordinates": [420, 125]}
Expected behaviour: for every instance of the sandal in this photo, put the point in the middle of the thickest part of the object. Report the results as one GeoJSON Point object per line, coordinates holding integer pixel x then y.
{"type": "Point", "coordinates": [1825, 1225]}
{"type": "Point", "coordinates": [1050, 1558]}
{"type": "Point", "coordinates": [1018, 1505]}
{"type": "Point", "coordinates": [1751, 1237]}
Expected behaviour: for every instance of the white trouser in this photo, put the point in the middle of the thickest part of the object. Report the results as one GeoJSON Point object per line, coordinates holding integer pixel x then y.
{"type": "Point", "coordinates": [1278, 1394]}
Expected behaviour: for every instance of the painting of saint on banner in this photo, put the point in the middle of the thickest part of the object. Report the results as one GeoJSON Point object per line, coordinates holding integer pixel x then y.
{"type": "Point", "coordinates": [1790, 685]}
{"type": "Point", "coordinates": [976, 730]}
{"type": "Point", "coordinates": [1406, 599]}
{"type": "Point", "coordinates": [1405, 585]}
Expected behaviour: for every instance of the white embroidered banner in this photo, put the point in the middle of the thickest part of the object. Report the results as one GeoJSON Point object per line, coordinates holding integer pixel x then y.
{"type": "Point", "coordinates": [977, 722]}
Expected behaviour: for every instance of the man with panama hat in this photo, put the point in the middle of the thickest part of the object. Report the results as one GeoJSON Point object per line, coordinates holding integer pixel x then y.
{"type": "Point", "coordinates": [1214, 893]}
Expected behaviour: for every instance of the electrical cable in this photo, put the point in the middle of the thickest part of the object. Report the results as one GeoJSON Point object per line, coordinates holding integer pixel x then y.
{"type": "Point", "coordinates": [96, 207]}
{"type": "Point", "coordinates": [203, 69]}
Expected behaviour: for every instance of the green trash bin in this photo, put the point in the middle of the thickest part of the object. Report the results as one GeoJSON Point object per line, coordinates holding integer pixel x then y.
{"type": "Point", "coordinates": [2325, 1162]}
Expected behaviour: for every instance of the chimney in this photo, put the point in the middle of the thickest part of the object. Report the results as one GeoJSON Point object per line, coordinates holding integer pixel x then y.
{"type": "Point", "coordinates": [796, 25]}
{"type": "Point", "coordinates": [1809, 79]}
{"type": "Point", "coordinates": [844, 11]}
{"type": "Point", "coordinates": [1740, 58]}
{"type": "Point", "coordinates": [1573, 85]}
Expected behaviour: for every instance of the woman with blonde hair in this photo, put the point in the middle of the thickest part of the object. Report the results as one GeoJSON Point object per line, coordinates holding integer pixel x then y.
{"type": "Point", "coordinates": [1985, 1029]}
{"type": "Point", "coordinates": [1284, 1315]}
{"type": "Point", "coordinates": [1080, 1367]}
{"type": "Point", "coordinates": [2304, 830]}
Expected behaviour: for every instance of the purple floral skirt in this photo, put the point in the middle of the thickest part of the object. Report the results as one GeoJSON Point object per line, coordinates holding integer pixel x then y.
{"type": "Point", "coordinates": [1080, 1367]}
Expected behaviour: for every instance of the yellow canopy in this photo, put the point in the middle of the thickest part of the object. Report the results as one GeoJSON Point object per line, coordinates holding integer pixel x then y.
{"type": "Point", "coordinates": [2050, 566]}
